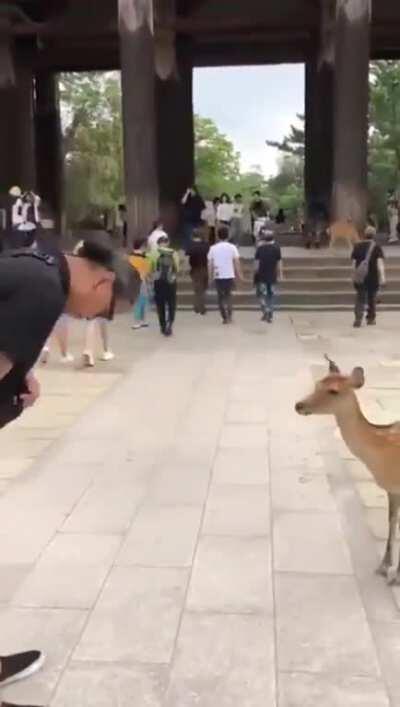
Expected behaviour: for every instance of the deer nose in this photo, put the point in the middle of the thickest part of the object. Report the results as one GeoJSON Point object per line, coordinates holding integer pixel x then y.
{"type": "Point", "coordinates": [299, 407]}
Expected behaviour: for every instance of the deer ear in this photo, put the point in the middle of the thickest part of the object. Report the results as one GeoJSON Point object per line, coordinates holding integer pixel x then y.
{"type": "Point", "coordinates": [357, 377]}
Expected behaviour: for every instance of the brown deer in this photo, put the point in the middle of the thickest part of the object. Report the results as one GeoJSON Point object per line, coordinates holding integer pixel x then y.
{"type": "Point", "coordinates": [378, 446]}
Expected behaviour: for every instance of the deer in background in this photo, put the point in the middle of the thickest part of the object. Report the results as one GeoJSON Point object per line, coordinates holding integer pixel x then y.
{"type": "Point", "coordinates": [378, 446]}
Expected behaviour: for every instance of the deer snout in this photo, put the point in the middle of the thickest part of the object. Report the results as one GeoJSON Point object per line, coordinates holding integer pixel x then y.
{"type": "Point", "coordinates": [301, 408]}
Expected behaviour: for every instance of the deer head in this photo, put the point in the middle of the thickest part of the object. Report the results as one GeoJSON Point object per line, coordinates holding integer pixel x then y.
{"type": "Point", "coordinates": [332, 393]}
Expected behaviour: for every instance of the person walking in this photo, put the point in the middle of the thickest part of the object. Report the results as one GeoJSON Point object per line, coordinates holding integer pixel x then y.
{"type": "Point", "coordinates": [35, 289]}
{"type": "Point", "coordinates": [165, 268]}
{"type": "Point", "coordinates": [224, 211]}
{"type": "Point", "coordinates": [193, 207]}
{"type": "Point", "coordinates": [393, 217]}
{"type": "Point", "coordinates": [224, 269]}
{"type": "Point", "coordinates": [236, 226]}
{"type": "Point", "coordinates": [368, 276]}
{"type": "Point", "coordinates": [141, 262]}
{"type": "Point", "coordinates": [268, 271]}
{"type": "Point", "coordinates": [198, 261]}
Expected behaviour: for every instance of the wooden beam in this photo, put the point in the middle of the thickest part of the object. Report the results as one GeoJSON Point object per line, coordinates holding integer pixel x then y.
{"type": "Point", "coordinates": [189, 7]}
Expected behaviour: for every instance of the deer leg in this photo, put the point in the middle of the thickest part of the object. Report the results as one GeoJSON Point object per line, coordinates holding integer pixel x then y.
{"type": "Point", "coordinates": [387, 561]}
{"type": "Point", "coordinates": [394, 578]}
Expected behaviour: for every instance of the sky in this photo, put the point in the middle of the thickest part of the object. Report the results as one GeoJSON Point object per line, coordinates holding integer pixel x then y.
{"type": "Point", "coordinates": [251, 104]}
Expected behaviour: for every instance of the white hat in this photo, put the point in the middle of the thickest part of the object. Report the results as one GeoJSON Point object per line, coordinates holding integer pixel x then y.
{"type": "Point", "coordinates": [15, 191]}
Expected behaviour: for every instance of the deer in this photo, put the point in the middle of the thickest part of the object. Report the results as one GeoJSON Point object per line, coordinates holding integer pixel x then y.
{"type": "Point", "coordinates": [377, 446]}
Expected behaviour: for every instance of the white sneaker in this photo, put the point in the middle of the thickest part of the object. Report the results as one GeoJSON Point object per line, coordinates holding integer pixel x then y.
{"type": "Point", "coordinates": [67, 358]}
{"type": "Point", "coordinates": [137, 326]}
{"type": "Point", "coordinates": [88, 359]}
{"type": "Point", "coordinates": [107, 356]}
{"type": "Point", "coordinates": [393, 240]}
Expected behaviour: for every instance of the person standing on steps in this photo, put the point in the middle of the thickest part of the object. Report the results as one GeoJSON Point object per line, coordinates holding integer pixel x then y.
{"type": "Point", "coordinates": [368, 276]}
{"type": "Point", "coordinates": [165, 268]}
{"type": "Point", "coordinates": [268, 271]}
{"type": "Point", "coordinates": [224, 269]}
{"type": "Point", "coordinates": [193, 207]}
{"type": "Point", "coordinates": [198, 252]}
{"type": "Point", "coordinates": [35, 289]}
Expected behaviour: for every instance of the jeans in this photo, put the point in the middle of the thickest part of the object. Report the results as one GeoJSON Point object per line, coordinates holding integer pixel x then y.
{"type": "Point", "coordinates": [165, 299]}
{"type": "Point", "coordinates": [140, 308]}
{"type": "Point", "coordinates": [224, 292]}
{"type": "Point", "coordinates": [365, 297]}
{"type": "Point", "coordinates": [200, 284]}
{"type": "Point", "coordinates": [266, 295]}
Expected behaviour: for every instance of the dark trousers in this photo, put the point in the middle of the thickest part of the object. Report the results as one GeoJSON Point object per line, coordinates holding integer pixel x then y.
{"type": "Point", "coordinates": [365, 297]}
{"type": "Point", "coordinates": [224, 292]}
{"type": "Point", "coordinates": [266, 295]}
{"type": "Point", "coordinates": [200, 284]}
{"type": "Point", "coordinates": [165, 299]}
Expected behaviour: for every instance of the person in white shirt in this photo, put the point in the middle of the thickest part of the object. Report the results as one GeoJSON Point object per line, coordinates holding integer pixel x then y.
{"type": "Point", "coordinates": [224, 269]}
{"type": "Point", "coordinates": [236, 228]}
{"type": "Point", "coordinates": [157, 233]}
{"type": "Point", "coordinates": [224, 210]}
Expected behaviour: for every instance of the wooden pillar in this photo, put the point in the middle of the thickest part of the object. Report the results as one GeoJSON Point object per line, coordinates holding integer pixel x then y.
{"type": "Point", "coordinates": [17, 145]}
{"type": "Point", "coordinates": [138, 110]}
{"type": "Point", "coordinates": [48, 138]}
{"type": "Point", "coordinates": [175, 132]}
{"type": "Point", "coordinates": [319, 107]}
{"type": "Point", "coordinates": [351, 111]}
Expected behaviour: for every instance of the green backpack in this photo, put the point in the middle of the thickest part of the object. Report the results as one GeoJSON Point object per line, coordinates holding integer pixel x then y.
{"type": "Point", "coordinates": [166, 268]}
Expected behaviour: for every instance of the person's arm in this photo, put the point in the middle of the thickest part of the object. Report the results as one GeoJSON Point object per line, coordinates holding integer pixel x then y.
{"type": "Point", "coordinates": [186, 196]}
{"type": "Point", "coordinates": [237, 266]}
{"type": "Point", "coordinates": [177, 261]}
{"type": "Point", "coordinates": [381, 271]}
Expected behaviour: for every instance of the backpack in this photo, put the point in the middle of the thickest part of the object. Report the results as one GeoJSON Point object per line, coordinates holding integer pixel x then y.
{"type": "Point", "coordinates": [165, 268]}
{"type": "Point", "coordinates": [361, 272]}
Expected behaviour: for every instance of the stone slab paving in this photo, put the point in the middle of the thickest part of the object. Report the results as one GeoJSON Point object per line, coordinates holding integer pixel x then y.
{"type": "Point", "coordinates": [186, 540]}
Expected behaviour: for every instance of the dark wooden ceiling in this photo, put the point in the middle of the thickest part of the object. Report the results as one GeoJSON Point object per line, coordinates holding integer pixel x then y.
{"type": "Point", "coordinates": [82, 34]}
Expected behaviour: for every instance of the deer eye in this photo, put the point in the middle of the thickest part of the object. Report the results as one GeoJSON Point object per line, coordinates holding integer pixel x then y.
{"type": "Point", "coordinates": [333, 392]}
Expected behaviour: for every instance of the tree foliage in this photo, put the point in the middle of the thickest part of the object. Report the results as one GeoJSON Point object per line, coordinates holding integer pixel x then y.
{"type": "Point", "coordinates": [217, 162]}
{"type": "Point", "coordinates": [91, 110]}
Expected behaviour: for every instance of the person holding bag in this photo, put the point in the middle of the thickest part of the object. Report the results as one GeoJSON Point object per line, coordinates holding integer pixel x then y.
{"type": "Point", "coordinates": [368, 276]}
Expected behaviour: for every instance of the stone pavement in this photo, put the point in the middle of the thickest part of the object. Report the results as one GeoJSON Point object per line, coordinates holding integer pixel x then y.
{"type": "Point", "coordinates": [189, 541]}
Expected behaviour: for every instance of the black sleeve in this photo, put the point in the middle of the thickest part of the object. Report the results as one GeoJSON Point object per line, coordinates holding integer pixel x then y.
{"type": "Point", "coordinates": [257, 255]}
{"type": "Point", "coordinates": [379, 252]}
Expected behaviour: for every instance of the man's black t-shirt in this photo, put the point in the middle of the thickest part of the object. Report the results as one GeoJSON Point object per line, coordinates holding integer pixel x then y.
{"type": "Point", "coordinates": [33, 292]}
{"type": "Point", "coordinates": [359, 254]}
{"type": "Point", "coordinates": [193, 208]}
{"type": "Point", "coordinates": [268, 255]}
{"type": "Point", "coordinates": [198, 252]}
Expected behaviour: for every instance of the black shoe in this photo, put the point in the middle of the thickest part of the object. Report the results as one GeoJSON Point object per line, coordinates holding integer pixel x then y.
{"type": "Point", "coordinates": [357, 325]}
{"type": "Point", "coordinates": [371, 322]}
{"type": "Point", "coordinates": [270, 317]}
{"type": "Point", "coordinates": [264, 317]}
{"type": "Point", "coordinates": [9, 704]}
{"type": "Point", "coordinates": [19, 666]}
{"type": "Point", "coordinates": [168, 330]}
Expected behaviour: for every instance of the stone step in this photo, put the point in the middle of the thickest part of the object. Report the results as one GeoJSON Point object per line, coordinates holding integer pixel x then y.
{"type": "Point", "coordinates": [296, 297]}
{"type": "Point", "coordinates": [304, 285]}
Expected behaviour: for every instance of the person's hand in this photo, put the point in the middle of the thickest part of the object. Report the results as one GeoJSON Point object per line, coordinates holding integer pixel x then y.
{"type": "Point", "coordinates": [33, 391]}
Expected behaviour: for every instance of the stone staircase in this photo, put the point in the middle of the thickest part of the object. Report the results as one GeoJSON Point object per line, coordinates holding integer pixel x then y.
{"type": "Point", "coordinates": [316, 281]}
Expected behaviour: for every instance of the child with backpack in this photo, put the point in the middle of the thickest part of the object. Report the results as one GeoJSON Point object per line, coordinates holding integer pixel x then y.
{"type": "Point", "coordinates": [141, 261]}
{"type": "Point", "coordinates": [165, 268]}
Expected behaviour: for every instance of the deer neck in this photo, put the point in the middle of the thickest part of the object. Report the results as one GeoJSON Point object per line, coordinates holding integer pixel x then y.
{"type": "Point", "coordinates": [356, 430]}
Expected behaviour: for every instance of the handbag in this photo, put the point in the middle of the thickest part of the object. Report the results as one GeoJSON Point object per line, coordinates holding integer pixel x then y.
{"type": "Point", "coordinates": [361, 271]}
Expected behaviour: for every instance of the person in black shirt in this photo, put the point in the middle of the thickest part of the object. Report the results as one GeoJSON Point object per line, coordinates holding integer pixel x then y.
{"type": "Point", "coordinates": [268, 261]}
{"type": "Point", "coordinates": [193, 206]}
{"type": "Point", "coordinates": [35, 289]}
{"type": "Point", "coordinates": [198, 252]}
{"type": "Point", "coordinates": [366, 293]}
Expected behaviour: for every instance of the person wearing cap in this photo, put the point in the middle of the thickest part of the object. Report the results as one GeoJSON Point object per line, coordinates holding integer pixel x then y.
{"type": "Point", "coordinates": [268, 271]}
{"type": "Point", "coordinates": [367, 250]}
{"type": "Point", "coordinates": [34, 291]}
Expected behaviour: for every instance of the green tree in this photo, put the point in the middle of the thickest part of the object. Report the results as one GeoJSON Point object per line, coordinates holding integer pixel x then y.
{"type": "Point", "coordinates": [294, 142]}
{"type": "Point", "coordinates": [217, 162]}
{"type": "Point", "coordinates": [92, 129]}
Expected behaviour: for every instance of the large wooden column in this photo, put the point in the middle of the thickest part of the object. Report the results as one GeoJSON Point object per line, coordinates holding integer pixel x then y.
{"type": "Point", "coordinates": [138, 110]}
{"type": "Point", "coordinates": [175, 131]}
{"type": "Point", "coordinates": [319, 107]}
{"type": "Point", "coordinates": [17, 145]}
{"type": "Point", "coordinates": [351, 111]}
{"type": "Point", "coordinates": [48, 137]}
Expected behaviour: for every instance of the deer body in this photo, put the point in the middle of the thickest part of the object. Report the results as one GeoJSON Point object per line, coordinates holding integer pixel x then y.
{"type": "Point", "coordinates": [377, 446]}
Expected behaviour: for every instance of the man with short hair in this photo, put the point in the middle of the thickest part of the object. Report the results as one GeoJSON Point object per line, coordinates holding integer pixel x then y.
{"type": "Point", "coordinates": [268, 262]}
{"type": "Point", "coordinates": [236, 226]}
{"type": "Point", "coordinates": [197, 252]}
{"type": "Point", "coordinates": [35, 290]}
{"type": "Point", "coordinates": [224, 268]}
{"type": "Point", "coordinates": [165, 268]}
{"type": "Point", "coordinates": [371, 253]}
